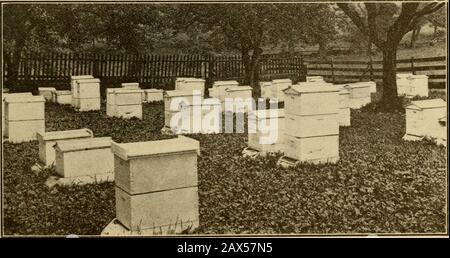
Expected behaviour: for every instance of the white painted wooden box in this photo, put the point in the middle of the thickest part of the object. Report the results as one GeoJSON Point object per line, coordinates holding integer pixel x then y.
{"type": "Point", "coordinates": [24, 117]}
{"type": "Point", "coordinates": [88, 95]}
{"type": "Point", "coordinates": [124, 103]}
{"type": "Point", "coordinates": [74, 87]}
{"type": "Point", "coordinates": [213, 93]}
{"type": "Point", "coordinates": [4, 94]}
{"type": "Point", "coordinates": [311, 100]}
{"type": "Point", "coordinates": [344, 107]}
{"type": "Point", "coordinates": [156, 183]}
{"type": "Point", "coordinates": [152, 95]}
{"type": "Point", "coordinates": [278, 86]}
{"type": "Point", "coordinates": [418, 86]}
{"type": "Point", "coordinates": [266, 89]}
{"type": "Point", "coordinates": [130, 85]}
{"type": "Point", "coordinates": [422, 118]}
{"type": "Point", "coordinates": [202, 118]}
{"type": "Point", "coordinates": [47, 93]}
{"type": "Point", "coordinates": [312, 125]}
{"type": "Point", "coordinates": [191, 84]}
{"type": "Point", "coordinates": [63, 97]}
{"type": "Point", "coordinates": [47, 141]}
{"type": "Point", "coordinates": [321, 149]}
{"type": "Point", "coordinates": [403, 82]}
{"type": "Point", "coordinates": [221, 86]}
{"type": "Point", "coordinates": [84, 157]}
{"type": "Point", "coordinates": [344, 117]}
{"type": "Point", "coordinates": [177, 97]}
{"type": "Point", "coordinates": [266, 130]}
{"type": "Point", "coordinates": [359, 94]}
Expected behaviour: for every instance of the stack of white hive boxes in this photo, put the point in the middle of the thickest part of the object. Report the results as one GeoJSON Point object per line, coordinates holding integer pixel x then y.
{"type": "Point", "coordinates": [87, 94]}
{"type": "Point", "coordinates": [412, 85]}
{"type": "Point", "coordinates": [156, 187]}
{"type": "Point", "coordinates": [47, 93]}
{"type": "Point", "coordinates": [266, 89]}
{"type": "Point", "coordinates": [239, 99]}
{"type": "Point", "coordinates": [425, 118]}
{"type": "Point", "coordinates": [278, 86]}
{"type": "Point", "coordinates": [360, 94]}
{"type": "Point", "coordinates": [4, 94]}
{"type": "Point", "coordinates": [152, 95]}
{"type": "Point", "coordinates": [344, 107]}
{"type": "Point", "coordinates": [195, 113]}
{"type": "Point", "coordinates": [190, 84]}
{"type": "Point", "coordinates": [84, 158]}
{"type": "Point", "coordinates": [177, 98]}
{"type": "Point", "coordinates": [73, 87]}
{"type": "Point", "coordinates": [268, 117]}
{"type": "Point", "coordinates": [48, 140]}
{"type": "Point", "coordinates": [124, 103]}
{"type": "Point", "coordinates": [219, 87]}
{"type": "Point", "coordinates": [63, 97]}
{"type": "Point", "coordinates": [24, 117]}
{"type": "Point", "coordinates": [311, 124]}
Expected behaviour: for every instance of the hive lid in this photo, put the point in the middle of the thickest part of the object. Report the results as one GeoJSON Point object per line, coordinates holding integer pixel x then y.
{"type": "Point", "coordinates": [154, 90]}
{"type": "Point", "coordinates": [298, 89]}
{"type": "Point", "coordinates": [139, 149]}
{"type": "Point", "coordinates": [127, 91]}
{"type": "Point", "coordinates": [238, 88]}
{"type": "Point", "coordinates": [366, 83]}
{"type": "Point", "coordinates": [16, 95]}
{"type": "Point", "coordinates": [181, 93]}
{"type": "Point", "coordinates": [206, 102]}
{"type": "Point", "coordinates": [265, 84]}
{"type": "Point", "coordinates": [88, 80]}
{"type": "Point", "coordinates": [403, 75]}
{"type": "Point", "coordinates": [76, 77]}
{"type": "Point", "coordinates": [343, 92]}
{"type": "Point", "coordinates": [282, 81]}
{"type": "Point", "coordinates": [266, 113]}
{"type": "Point", "coordinates": [418, 76]}
{"type": "Point", "coordinates": [426, 104]}
{"type": "Point", "coordinates": [46, 89]}
{"type": "Point", "coordinates": [193, 80]}
{"type": "Point", "coordinates": [128, 84]}
{"type": "Point", "coordinates": [12, 98]}
{"type": "Point", "coordinates": [63, 92]}
{"type": "Point", "coordinates": [225, 83]}
{"type": "Point", "coordinates": [84, 144]}
{"type": "Point", "coordinates": [69, 134]}
{"type": "Point", "coordinates": [357, 85]}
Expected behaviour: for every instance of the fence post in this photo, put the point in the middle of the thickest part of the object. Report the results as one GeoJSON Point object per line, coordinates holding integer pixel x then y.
{"type": "Point", "coordinates": [332, 70]}
{"type": "Point", "coordinates": [413, 70]}
{"type": "Point", "coordinates": [95, 70]}
{"type": "Point", "coordinates": [371, 70]}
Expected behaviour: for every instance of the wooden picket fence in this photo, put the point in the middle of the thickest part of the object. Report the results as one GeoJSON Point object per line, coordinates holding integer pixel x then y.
{"type": "Point", "coordinates": [350, 71]}
{"type": "Point", "coordinates": [151, 71]}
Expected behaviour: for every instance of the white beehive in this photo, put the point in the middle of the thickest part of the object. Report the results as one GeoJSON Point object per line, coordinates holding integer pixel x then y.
{"type": "Point", "coordinates": [88, 94]}
{"type": "Point", "coordinates": [371, 84]}
{"type": "Point", "coordinates": [422, 118]}
{"type": "Point", "coordinates": [4, 94]}
{"type": "Point", "coordinates": [84, 157]}
{"type": "Point", "coordinates": [278, 86]}
{"type": "Point", "coordinates": [63, 97]}
{"type": "Point", "coordinates": [124, 103]}
{"type": "Point", "coordinates": [191, 84]}
{"type": "Point", "coordinates": [206, 116]}
{"type": "Point", "coordinates": [221, 86]}
{"type": "Point", "coordinates": [441, 134]}
{"type": "Point", "coordinates": [418, 86]}
{"type": "Point", "coordinates": [237, 99]}
{"type": "Point", "coordinates": [152, 95]}
{"type": "Point", "coordinates": [312, 123]}
{"type": "Point", "coordinates": [156, 184]}
{"type": "Point", "coordinates": [24, 117]}
{"type": "Point", "coordinates": [344, 107]}
{"type": "Point", "coordinates": [266, 89]}
{"type": "Point", "coordinates": [48, 139]}
{"type": "Point", "coordinates": [403, 82]}
{"type": "Point", "coordinates": [359, 94]}
{"type": "Point", "coordinates": [314, 79]}
{"type": "Point", "coordinates": [260, 131]}
{"type": "Point", "coordinates": [213, 93]}
{"type": "Point", "coordinates": [177, 97]}
{"type": "Point", "coordinates": [130, 85]}
{"type": "Point", "coordinates": [47, 93]}
{"type": "Point", "coordinates": [74, 87]}
{"type": "Point", "coordinates": [180, 80]}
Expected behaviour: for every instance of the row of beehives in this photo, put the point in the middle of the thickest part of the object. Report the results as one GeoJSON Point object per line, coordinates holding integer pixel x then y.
{"type": "Point", "coordinates": [155, 181]}
{"type": "Point", "coordinates": [411, 85]}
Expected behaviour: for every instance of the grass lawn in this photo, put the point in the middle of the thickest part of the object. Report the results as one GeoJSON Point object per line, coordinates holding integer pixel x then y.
{"type": "Point", "coordinates": [381, 184]}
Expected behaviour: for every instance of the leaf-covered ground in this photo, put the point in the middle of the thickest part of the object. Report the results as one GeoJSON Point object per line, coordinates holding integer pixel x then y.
{"type": "Point", "coordinates": [381, 184]}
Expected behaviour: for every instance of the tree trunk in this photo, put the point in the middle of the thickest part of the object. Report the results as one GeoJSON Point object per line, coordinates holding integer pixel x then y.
{"type": "Point", "coordinates": [369, 48]}
{"type": "Point", "coordinates": [412, 43]}
{"type": "Point", "coordinates": [322, 49]}
{"type": "Point", "coordinates": [389, 91]}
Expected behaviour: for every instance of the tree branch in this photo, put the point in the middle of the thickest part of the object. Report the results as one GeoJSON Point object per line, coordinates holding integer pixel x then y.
{"type": "Point", "coordinates": [428, 9]}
